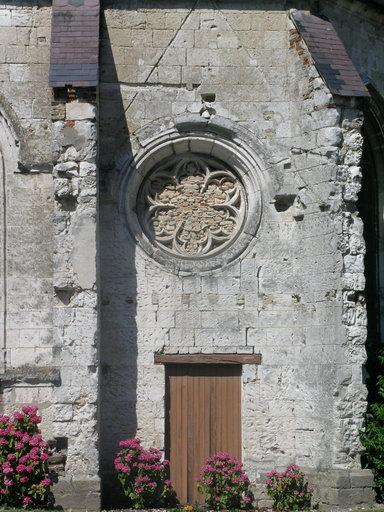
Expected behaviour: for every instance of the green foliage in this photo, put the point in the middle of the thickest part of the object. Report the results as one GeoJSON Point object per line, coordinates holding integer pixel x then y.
{"type": "Point", "coordinates": [372, 436]}
{"type": "Point", "coordinates": [289, 489]}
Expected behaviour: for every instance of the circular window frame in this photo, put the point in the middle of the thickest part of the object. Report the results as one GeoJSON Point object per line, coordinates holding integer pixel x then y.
{"type": "Point", "coordinates": [213, 164]}
{"type": "Point", "coordinates": [239, 160]}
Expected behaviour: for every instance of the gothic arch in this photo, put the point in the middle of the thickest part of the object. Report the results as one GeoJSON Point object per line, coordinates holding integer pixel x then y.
{"type": "Point", "coordinates": [371, 207]}
{"type": "Point", "coordinates": [9, 163]}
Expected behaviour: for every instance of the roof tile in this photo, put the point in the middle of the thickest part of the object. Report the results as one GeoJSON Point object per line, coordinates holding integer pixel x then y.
{"type": "Point", "coordinates": [75, 43]}
{"type": "Point", "coordinates": [329, 55]}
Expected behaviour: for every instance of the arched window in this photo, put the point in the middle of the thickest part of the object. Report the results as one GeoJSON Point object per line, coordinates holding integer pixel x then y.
{"type": "Point", "coordinates": [371, 207]}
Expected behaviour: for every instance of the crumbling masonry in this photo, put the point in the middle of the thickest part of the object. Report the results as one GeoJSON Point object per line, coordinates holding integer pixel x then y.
{"type": "Point", "coordinates": [181, 179]}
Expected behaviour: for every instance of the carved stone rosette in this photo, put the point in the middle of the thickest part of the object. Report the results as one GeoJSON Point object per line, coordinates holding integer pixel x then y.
{"type": "Point", "coordinates": [191, 196]}
{"type": "Point", "coordinates": [192, 206]}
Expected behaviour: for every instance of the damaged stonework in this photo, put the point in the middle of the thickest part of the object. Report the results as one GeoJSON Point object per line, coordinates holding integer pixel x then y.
{"type": "Point", "coordinates": [75, 309]}
{"type": "Point", "coordinates": [338, 122]}
{"type": "Point", "coordinates": [352, 397]}
{"type": "Point", "coordinates": [281, 297]}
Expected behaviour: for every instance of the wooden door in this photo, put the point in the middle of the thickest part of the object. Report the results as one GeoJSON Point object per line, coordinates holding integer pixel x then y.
{"type": "Point", "coordinates": [203, 417]}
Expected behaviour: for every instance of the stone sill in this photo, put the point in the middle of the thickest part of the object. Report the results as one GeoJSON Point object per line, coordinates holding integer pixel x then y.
{"type": "Point", "coordinates": [30, 375]}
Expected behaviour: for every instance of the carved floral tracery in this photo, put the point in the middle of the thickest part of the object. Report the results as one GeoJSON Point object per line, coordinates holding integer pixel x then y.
{"type": "Point", "coordinates": [191, 206]}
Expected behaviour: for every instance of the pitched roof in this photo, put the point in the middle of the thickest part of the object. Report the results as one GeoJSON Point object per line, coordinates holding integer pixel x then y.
{"type": "Point", "coordinates": [329, 55]}
{"type": "Point", "coordinates": [75, 43]}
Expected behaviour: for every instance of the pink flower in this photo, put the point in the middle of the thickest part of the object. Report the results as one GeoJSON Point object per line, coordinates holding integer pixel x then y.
{"type": "Point", "coordinates": [3, 441]}
{"type": "Point", "coordinates": [46, 482]}
{"type": "Point", "coordinates": [19, 446]}
{"type": "Point", "coordinates": [142, 479]}
{"type": "Point", "coordinates": [35, 440]}
{"type": "Point", "coordinates": [292, 467]}
{"type": "Point", "coordinates": [18, 416]}
{"type": "Point", "coordinates": [33, 456]}
{"type": "Point", "coordinates": [8, 482]}
{"type": "Point", "coordinates": [24, 479]}
{"type": "Point", "coordinates": [30, 410]}
{"type": "Point", "coordinates": [11, 456]}
{"type": "Point", "coordinates": [21, 468]}
{"type": "Point", "coordinates": [27, 500]}
{"type": "Point", "coordinates": [131, 443]}
{"type": "Point", "coordinates": [8, 471]}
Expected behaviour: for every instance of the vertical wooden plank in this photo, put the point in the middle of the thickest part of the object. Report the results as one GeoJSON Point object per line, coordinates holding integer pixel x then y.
{"type": "Point", "coordinates": [226, 410]}
{"type": "Point", "coordinates": [204, 417]}
{"type": "Point", "coordinates": [237, 398]}
{"type": "Point", "coordinates": [229, 416]}
{"type": "Point", "coordinates": [177, 432]}
{"type": "Point", "coordinates": [191, 430]}
{"type": "Point", "coordinates": [170, 435]}
{"type": "Point", "coordinates": [174, 442]}
{"type": "Point", "coordinates": [205, 422]}
{"type": "Point", "coordinates": [197, 441]}
{"type": "Point", "coordinates": [214, 413]}
{"type": "Point", "coordinates": [183, 429]}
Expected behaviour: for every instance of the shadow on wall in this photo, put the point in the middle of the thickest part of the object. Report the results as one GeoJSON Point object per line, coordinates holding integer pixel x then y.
{"type": "Point", "coordinates": [277, 5]}
{"type": "Point", "coordinates": [118, 280]}
{"type": "Point", "coordinates": [371, 207]}
{"type": "Point", "coordinates": [118, 330]}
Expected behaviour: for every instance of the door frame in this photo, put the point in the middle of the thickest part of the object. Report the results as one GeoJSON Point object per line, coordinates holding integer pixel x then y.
{"type": "Point", "coordinates": [237, 360]}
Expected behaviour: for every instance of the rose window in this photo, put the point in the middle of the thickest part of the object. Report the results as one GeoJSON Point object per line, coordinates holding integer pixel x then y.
{"type": "Point", "coordinates": [192, 206]}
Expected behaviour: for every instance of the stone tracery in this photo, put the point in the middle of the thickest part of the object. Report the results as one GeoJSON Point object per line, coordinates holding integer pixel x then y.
{"type": "Point", "coordinates": [191, 206]}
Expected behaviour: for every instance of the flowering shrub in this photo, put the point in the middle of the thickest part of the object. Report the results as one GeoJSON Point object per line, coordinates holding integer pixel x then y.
{"type": "Point", "coordinates": [225, 484]}
{"type": "Point", "coordinates": [23, 460]}
{"type": "Point", "coordinates": [372, 436]}
{"type": "Point", "coordinates": [289, 489]}
{"type": "Point", "coordinates": [143, 476]}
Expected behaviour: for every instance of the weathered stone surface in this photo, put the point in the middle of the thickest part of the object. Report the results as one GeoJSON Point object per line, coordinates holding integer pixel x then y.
{"type": "Point", "coordinates": [294, 292]}
{"type": "Point", "coordinates": [80, 111]}
{"type": "Point", "coordinates": [74, 405]}
{"type": "Point", "coordinates": [286, 297]}
{"type": "Point", "coordinates": [77, 495]}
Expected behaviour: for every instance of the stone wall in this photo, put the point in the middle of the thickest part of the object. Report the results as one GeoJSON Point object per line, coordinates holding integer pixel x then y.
{"type": "Point", "coordinates": [289, 286]}
{"type": "Point", "coordinates": [216, 69]}
{"type": "Point", "coordinates": [26, 202]}
{"type": "Point", "coordinates": [48, 238]}
{"type": "Point", "coordinates": [75, 310]}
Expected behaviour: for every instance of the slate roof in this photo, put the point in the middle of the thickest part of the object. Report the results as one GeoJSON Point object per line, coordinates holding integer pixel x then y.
{"type": "Point", "coordinates": [75, 43]}
{"type": "Point", "coordinates": [329, 55]}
